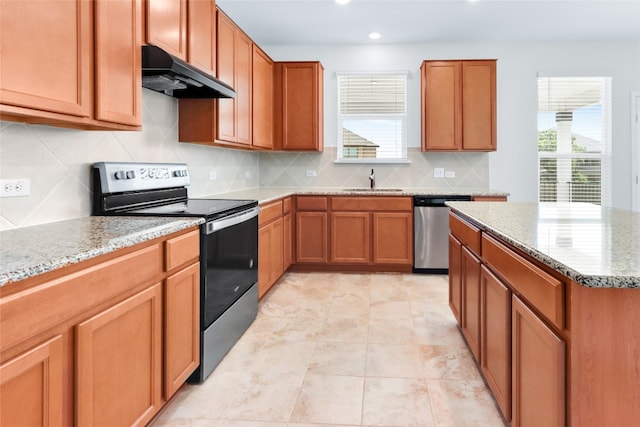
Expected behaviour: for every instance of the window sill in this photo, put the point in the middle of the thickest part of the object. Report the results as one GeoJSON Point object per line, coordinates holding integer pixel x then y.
{"type": "Point", "coordinates": [372, 161]}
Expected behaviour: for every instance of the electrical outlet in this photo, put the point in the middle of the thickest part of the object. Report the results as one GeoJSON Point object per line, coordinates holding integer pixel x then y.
{"type": "Point", "coordinates": [247, 174]}
{"type": "Point", "coordinates": [449, 174]}
{"type": "Point", "coordinates": [212, 176]}
{"type": "Point", "coordinates": [311, 172]}
{"type": "Point", "coordinates": [15, 187]}
{"type": "Point", "coordinates": [438, 172]}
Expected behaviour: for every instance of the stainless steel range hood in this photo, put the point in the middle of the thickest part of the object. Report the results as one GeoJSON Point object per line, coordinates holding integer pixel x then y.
{"type": "Point", "coordinates": [167, 74]}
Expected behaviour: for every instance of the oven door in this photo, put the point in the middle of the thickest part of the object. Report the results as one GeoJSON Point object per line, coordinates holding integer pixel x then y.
{"type": "Point", "coordinates": [230, 261]}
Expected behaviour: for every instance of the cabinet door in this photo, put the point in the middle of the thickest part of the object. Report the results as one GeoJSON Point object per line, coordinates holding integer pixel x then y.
{"type": "Point", "coordinates": [495, 333]}
{"type": "Point", "coordinates": [31, 387]}
{"type": "Point", "coordinates": [455, 278]}
{"type": "Point", "coordinates": [118, 79]}
{"type": "Point", "coordinates": [441, 101]}
{"type": "Point", "coordinates": [181, 327]}
{"type": "Point", "coordinates": [225, 51]}
{"type": "Point", "coordinates": [393, 238]}
{"type": "Point", "coordinates": [471, 301]}
{"type": "Point", "coordinates": [243, 55]}
{"type": "Point", "coordinates": [167, 26]}
{"type": "Point", "coordinates": [311, 237]}
{"type": "Point", "coordinates": [118, 362]}
{"type": "Point", "coordinates": [264, 259]}
{"type": "Point", "coordinates": [300, 111]}
{"type": "Point", "coordinates": [47, 56]}
{"type": "Point", "coordinates": [479, 105]}
{"type": "Point", "coordinates": [538, 357]}
{"type": "Point", "coordinates": [287, 236]}
{"type": "Point", "coordinates": [262, 94]}
{"type": "Point", "coordinates": [350, 233]}
{"type": "Point", "coordinates": [202, 35]}
{"type": "Point", "coordinates": [277, 248]}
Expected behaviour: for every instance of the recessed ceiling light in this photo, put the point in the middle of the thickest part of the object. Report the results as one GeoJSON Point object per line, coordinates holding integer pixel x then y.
{"type": "Point", "coordinates": [374, 36]}
{"type": "Point", "coordinates": [342, 1]}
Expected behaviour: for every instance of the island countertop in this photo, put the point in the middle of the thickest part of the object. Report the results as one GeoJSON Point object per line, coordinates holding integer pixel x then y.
{"type": "Point", "coordinates": [594, 246]}
{"type": "Point", "coordinates": [28, 251]}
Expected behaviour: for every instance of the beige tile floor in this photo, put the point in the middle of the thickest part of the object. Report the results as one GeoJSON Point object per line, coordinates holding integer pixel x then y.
{"type": "Point", "coordinates": [333, 349]}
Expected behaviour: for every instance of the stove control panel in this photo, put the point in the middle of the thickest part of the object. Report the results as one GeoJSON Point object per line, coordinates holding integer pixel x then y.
{"type": "Point", "coordinates": [116, 177]}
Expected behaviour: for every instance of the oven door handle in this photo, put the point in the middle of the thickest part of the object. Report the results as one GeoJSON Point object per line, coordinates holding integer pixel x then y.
{"type": "Point", "coordinates": [230, 221]}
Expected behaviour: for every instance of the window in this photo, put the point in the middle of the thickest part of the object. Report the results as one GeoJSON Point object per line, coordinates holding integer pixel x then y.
{"type": "Point", "coordinates": [372, 117]}
{"type": "Point", "coordinates": [574, 139]}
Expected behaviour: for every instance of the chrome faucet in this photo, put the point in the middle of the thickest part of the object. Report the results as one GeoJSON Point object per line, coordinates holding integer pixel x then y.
{"type": "Point", "coordinates": [372, 179]}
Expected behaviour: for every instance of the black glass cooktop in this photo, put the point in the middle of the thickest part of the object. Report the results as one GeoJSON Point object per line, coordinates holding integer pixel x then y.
{"type": "Point", "coordinates": [206, 208]}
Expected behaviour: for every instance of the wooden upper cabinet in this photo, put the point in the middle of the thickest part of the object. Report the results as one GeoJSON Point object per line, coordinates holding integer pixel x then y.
{"type": "Point", "coordinates": [262, 91]}
{"type": "Point", "coordinates": [47, 56]}
{"type": "Point", "coordinates": [201, 38]}
{"type": "Point", "coordinates": [234, 68]}
{"type": "Point", "coordinates": [299, 106]}
{"type": "Point", "coordinates": [458, 101]}
{"type": "Point", "coordinates": [118, 79]}
{"type": "Point", "coordinates": [167, 26]}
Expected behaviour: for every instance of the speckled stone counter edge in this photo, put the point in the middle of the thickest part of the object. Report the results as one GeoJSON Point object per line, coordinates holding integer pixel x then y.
{"type": "Point", "coordinates": [590, 281]}
{"type": "Point", "coordinates": [113, 245]}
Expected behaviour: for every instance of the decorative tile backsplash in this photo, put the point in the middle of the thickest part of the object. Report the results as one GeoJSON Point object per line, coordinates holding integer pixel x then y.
{"type": "Point", "coordinates": [290, 170]}
{"type": "Point", "coordinates": [58, 163]}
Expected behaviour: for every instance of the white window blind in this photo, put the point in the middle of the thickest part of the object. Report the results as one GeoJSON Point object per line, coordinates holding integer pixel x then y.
{"type": "Point", "coordinates": [372, 116]}
{"type": "Point", "coordinates": [574, 139]}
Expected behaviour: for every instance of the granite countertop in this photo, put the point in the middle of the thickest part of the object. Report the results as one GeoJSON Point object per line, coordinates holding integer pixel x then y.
{"type": "Point", "coordinates": [268, 194]}
{"type": "Point", "coordinates": [29, 251]}
{"type": "Point", "coordinates": [595, 246]}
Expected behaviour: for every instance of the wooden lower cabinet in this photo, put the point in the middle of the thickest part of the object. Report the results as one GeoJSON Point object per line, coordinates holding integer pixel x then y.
{"type": "Point", "coordinates": [538, 371]}
{"type": "Point", "coordinates": [349, 237]}
{"type": "Point", "coordinates": [311, 237]}
{"type": "Point", "coordinates": [270, 255]}
{"type": "Point", "coordinates": [31, 387]}
{"type": "Point", "coordinates": [392, 238]}
{"type": "Point", "coordinates": [455, 278]}
{"type": "Point", "coordinates": [471, 300]}
{"type": "Point", "coordinates": [118, 362]}
{"type": "Point", "coordinates": [287, 240]}
{"type": "Point", "coordinates": [181, 327]}
{"type": "Point", "coordinates": [495, 338]}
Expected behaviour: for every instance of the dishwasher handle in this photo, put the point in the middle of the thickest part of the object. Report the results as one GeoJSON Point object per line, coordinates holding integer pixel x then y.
{"type": "Point", "coordinates": [438, 201]}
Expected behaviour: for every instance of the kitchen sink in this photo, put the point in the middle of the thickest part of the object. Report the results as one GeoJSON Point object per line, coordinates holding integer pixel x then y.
{"type": "Point", "coordinates": [371, 189]}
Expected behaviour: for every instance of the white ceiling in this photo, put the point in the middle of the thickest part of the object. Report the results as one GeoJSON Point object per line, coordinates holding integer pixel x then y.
{"type": "Point", "coordinates": [304, 22]}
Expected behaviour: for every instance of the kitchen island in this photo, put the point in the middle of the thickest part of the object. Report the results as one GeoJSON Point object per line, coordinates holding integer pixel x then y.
{"type": "Point", "coordinates": [547, 297]}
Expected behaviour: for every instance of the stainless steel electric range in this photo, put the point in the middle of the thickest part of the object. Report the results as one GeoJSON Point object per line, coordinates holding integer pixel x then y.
{"type": "Point", "coordinates": [228, 245]}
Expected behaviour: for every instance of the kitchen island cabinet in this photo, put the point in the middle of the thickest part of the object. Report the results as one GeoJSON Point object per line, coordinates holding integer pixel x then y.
{"type": "Point", "coordinates": [548, 311]}
{"type": "Point", "coordinates": [96, 341]}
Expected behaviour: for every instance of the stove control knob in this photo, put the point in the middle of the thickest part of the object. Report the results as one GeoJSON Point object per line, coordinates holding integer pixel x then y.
{"type": "Point", "coordinates": [120, 175]}
{"type": "Point", "coordinates": [131, 174]}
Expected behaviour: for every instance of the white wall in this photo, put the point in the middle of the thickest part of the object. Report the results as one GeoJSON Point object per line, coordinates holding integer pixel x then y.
{"type": "Point", "coordinates": [513, 168]}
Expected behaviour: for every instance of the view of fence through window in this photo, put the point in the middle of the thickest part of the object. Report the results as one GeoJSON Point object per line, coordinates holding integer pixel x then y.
{"type": "Point", "coordinates": [574, 116]}
{"type": "Point", "coordinates": [372, 114]}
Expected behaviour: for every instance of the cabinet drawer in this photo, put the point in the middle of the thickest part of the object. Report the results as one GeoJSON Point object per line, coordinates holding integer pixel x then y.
{"type": "Point", "coordinates": [371, 203]}
{"type": "Point", "coordinates": [287, 205]}
{"type": "Point", "coordinates": [269, 212]}
{"type": "Point", "coordinates": [543, 291]}
{"type": "Point", "coordinates": [465, 232]}
{"type": "Point", "coordinates": [311, 203]}
{"type": "Point", "coordinates": [181, 249]}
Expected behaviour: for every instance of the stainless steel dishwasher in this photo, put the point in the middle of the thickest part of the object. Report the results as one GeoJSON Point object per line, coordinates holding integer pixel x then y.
{"type": "Point", "coordinates": [431, 233]}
